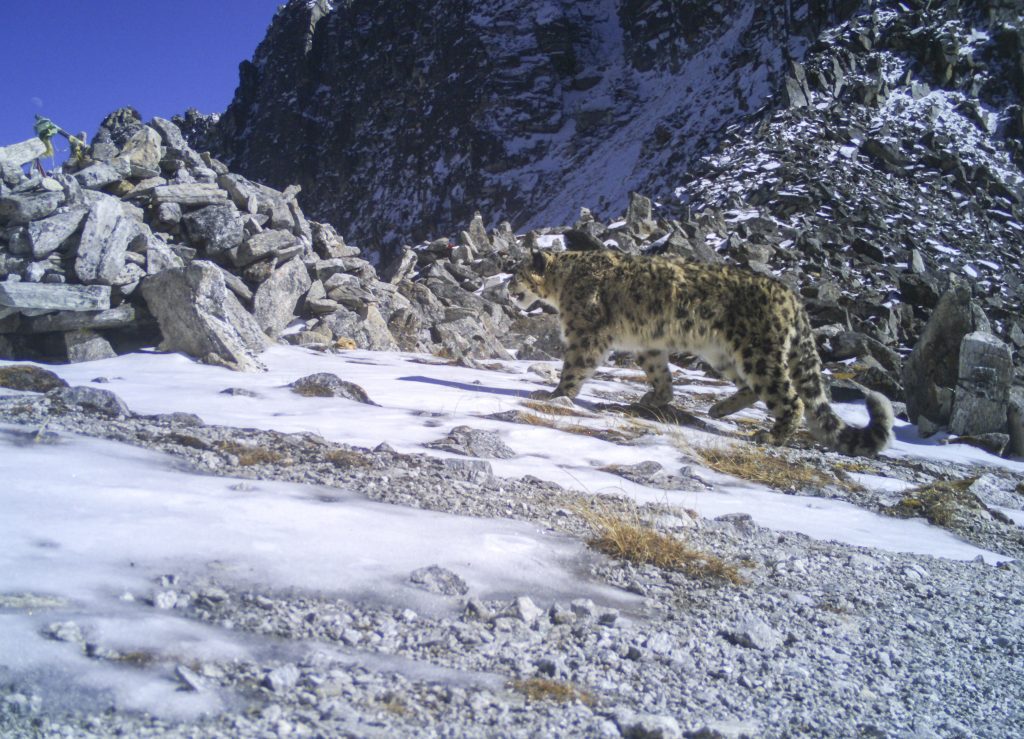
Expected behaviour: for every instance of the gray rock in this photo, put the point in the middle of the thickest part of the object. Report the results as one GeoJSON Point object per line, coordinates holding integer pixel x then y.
{"type": "Point", "coordinates": [66, 631]}
{"type": "Point", "coordinates": [726, 730]}
{"type": "Point", "coordinates": [436, 579]}
{"type": "Point", "coordinates": [633, 725]}
{"type": "Point", "coordinates": [168, 215]}
{"type": "Point", "coordinates": [105, 239]}
{"type": "Point", "coordinates": [1015, 422]}
{"type": "Point", "coordinates": [327, 385]}
{"type": "Point", "coordinates": [983, 387]}
{"type": "Point", "coordinates": [400, 268]}
{"type": "Point", "coordinates": [526, 610]}
{"type": "Point", "coordinates": [31, 296]}
{"type": "Point", "coordinates": [282, 679]}
{"type": "Point", "coordinates": [347, 290]}
{"type": "Point", "coordinates": [328, 244]}
{"type": "Point", "coordinates": [263, 245]}
{"type": "Point", "coordinates": [122, 315]}
{"type": "Point", "coordinates": [236, 285]}
{"type": "Point", "coordinates": [15, 155]}
{"type": "Point", "coordinates": [199, 316]}
{"type": "Point", "coordinates": [84, 345]}
{"type": "Point", "coordinates": [142, 150]}
{"type": "Point", "coordinates": [159, 257]}
{"type": "Point", "coordinates": [24, 207]}
{"type": "Point", "coordinates": [30, 378]}
{"type": "Point", "coordinates": [169, 133]}
{"type": "Point", "coordinates": [45, 236]}
{"type": "Point", "coordinates": [92, 399]}
{"type": "Point", "coordinates": [751, 632]}
{"type": "Point", "coordinates": [473, 443]}
{"type": "Point", "coordinates": [97, 176]}
{"type": "Point", "coordinates": [366, 328]}
{"type": "Point", "coordinates": [193, 194]}
{"type": "Point", "coordinates": [216, 228]}
{"type": "Point", "coordinates": [189, 680]}
{"type": "Point", "coordinates": [275, 300]}
{"type": "Point", "coordinates": [469, 337]}
{"type": "Point", "coordinates": [477, 235]}
{"type": "Point", "coordinates": [933, 367]}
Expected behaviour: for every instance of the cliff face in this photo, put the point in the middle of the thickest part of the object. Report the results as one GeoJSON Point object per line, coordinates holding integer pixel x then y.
{"type": "Point", "coordinates": [401, 119]}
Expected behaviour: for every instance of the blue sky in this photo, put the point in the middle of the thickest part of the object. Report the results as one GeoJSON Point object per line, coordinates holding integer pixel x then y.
{"type": "Point", "coordinates": [74, 61]}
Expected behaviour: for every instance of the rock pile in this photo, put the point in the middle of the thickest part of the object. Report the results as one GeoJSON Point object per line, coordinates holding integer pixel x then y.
{"type": "Point", "coordinates": [145, 238]}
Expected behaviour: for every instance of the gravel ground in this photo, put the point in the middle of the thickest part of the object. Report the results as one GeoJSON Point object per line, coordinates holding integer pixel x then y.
{"type": "Point", "coordinates": [821, 639]}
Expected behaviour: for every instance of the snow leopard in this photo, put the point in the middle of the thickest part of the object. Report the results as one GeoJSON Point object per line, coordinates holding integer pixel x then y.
{"type": "Point", "coordinates": [750, 328]}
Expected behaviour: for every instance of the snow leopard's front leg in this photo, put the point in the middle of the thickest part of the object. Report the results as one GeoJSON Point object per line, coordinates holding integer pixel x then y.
{"type": "Point", "coordinates": [582, 356]}
{"type": "Point", "coordinates": [654, 363]}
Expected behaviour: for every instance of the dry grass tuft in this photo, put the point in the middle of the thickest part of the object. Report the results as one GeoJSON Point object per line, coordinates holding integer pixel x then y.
{"type": "Point", "coordinates": [625, 536]}
{"type": "Point", "coordinates": [944, 503]}
{"type": "Point", "coordinates": [346, 458]}
{"type": "Point", "coordinates": [544, 689]}
{"type": "Point", "coordinates": [394, 704]}
{"type": "Point", "coordinates": [554, 409]}
{"type": "Point", "coordinates": [761, 465]}
{"type": "Point", "coordinates": [251, 455]}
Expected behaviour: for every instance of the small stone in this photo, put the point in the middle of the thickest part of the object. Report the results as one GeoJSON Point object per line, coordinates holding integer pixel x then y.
{"type": "Point", "coordinates": [327, 385]}
{"type": "Point", "coordinates": [526, 610]}
{"type": "Point", "coordinates": [473, 443]}
{"type": "Point", "coordinates": [66, 631]}
{"type": "Point", "coordinates": [92, 399]}
{"type": "Point", "coordinates": [753, 633]}
{"type": "Point", "coordinates": [189, 679]}
{"type": "Point", "coordinates": [634, 725]}
{"type": "Point", "coordinates": [437, 579]}
{"type": "Point", "coordinates": [282, 679]}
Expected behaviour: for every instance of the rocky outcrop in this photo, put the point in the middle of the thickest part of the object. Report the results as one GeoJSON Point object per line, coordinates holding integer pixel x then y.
{"type": "Point", "coordinates": [223, 263]}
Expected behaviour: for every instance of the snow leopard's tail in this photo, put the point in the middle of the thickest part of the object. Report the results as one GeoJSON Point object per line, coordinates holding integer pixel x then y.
{"type": "Point", "coordinates": [866, 441]}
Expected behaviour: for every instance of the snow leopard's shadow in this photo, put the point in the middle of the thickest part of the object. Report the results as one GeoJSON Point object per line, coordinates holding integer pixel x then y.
{"type": "Point", "coordinates": [467, 386]}
{"type": "Point", "coordinates": [669, 414]}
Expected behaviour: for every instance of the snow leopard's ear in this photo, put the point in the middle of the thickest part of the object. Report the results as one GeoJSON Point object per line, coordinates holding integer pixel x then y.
{"type": "Point", "coordinates": [539, 261]}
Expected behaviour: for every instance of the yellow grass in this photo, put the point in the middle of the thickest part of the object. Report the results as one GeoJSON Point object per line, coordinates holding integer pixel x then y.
{"type": "Point", "coordinates": [624, 536]}
{"type": "Point", "coordinates": [252, 455]}
{"type": "Point", "coordinates": [941, 503]}
{"type": "Point", "coordinates": [544, 689]}
{"type": "Point", "coordinates": [758, 464]}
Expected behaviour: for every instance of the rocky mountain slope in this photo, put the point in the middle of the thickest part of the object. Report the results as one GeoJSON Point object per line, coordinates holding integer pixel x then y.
{"type": "Point", "coordinates": [523, 110]}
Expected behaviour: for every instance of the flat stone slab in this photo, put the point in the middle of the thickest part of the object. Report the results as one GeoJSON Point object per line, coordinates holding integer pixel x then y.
{"type": "Point", "coordinates": [64, 320]}
{"type": "Point", "coordinates": [44, 296]}
{"type": "Point", "coordinates": [22, 153]}
{"type": "Point", "coordinates": [198, 193]}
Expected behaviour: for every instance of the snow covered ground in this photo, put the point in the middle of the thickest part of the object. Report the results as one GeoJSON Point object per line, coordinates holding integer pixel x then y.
{"type": "Point", "coordinates": [89, 525]}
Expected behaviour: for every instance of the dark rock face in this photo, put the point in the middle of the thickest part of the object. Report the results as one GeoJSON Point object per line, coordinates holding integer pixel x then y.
{"type": "Point", "coordinates": [399, 120]}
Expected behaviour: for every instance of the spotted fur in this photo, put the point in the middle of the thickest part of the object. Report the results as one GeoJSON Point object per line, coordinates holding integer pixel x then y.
{"type": "Point", "coordinates": [751, 328]}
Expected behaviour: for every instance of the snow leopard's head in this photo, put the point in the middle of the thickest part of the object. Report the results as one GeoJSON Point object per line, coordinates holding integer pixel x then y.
{"type": "Point", "coordinates": [528, 284]}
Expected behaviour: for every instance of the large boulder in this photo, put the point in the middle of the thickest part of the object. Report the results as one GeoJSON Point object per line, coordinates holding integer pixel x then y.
{"type": "Point", "coordinates": [199, 316]}
{"type": "Point", "coordinates": [931, 371]}
{"type": "Point", "coordinates": [104, 243]}
{"type": "Point", "coordinates": [983, 386]}
{"type": "Point", "coordinates": [276, 298]}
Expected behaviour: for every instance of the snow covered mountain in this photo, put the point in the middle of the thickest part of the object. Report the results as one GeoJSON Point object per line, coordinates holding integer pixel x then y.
{"type": "Point", "coordinates": [399, 121]}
